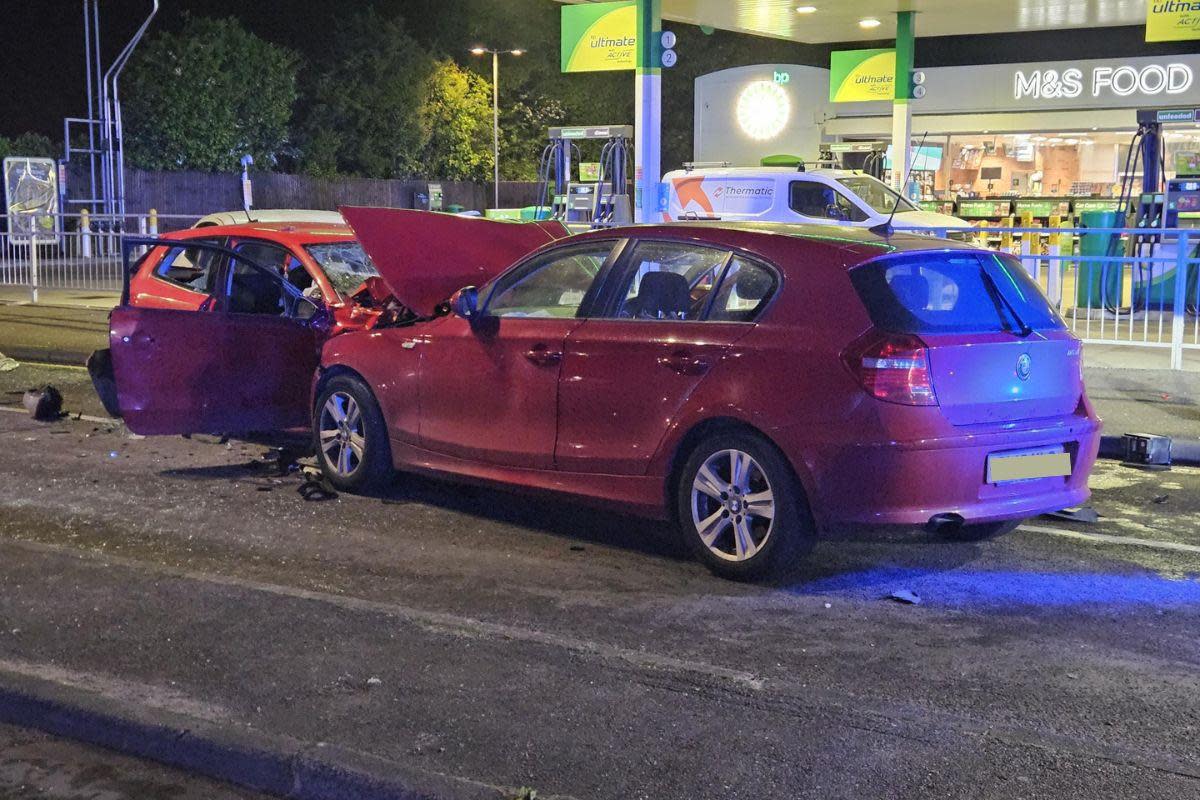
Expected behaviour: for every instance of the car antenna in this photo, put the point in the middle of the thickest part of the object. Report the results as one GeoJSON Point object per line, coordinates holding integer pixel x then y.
{"type": "Point", "coordinates": [885, 228]}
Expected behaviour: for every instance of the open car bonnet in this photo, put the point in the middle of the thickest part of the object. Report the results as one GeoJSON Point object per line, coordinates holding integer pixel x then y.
{"type": "Point", "coordinates": [424, 257]}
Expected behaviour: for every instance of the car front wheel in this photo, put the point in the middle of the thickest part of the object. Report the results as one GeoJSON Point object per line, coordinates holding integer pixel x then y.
{"type": "Point", "coordinates": [350, 436]}
{"type": "Point", "coordinates": [740, 508]}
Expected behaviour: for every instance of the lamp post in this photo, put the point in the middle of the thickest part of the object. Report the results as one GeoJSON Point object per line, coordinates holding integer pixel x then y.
{"type": "Point", "coordinates": [479, 51]}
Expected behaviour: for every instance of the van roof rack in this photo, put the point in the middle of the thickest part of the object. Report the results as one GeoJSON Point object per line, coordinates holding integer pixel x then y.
{"type": "Point", "coordinates": [691, 165]}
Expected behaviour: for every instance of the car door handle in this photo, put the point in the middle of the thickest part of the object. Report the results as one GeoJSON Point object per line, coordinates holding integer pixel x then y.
{"type": "Point", "coordinates": [684, 363]}
{"type": "Point", "coordinates": [543, 356]}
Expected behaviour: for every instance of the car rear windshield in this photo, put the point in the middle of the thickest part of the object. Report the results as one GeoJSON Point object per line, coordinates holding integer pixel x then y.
{"type": "Point", "coordinates": [953, 293]}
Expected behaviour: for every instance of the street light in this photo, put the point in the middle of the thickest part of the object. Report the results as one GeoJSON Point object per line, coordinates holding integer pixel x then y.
{"type": "Point", "coordinates": [479, 51]}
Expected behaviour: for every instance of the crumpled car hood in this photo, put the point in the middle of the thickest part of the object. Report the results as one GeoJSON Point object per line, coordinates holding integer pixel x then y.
{"type": "Point", "coordinates": [424, 257]}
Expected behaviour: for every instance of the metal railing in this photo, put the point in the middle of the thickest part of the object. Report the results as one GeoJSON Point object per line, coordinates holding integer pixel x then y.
{"type": "Point", "coordinates": [72, 251]}
{"type": "Point", "coordinates": [1137, 287]}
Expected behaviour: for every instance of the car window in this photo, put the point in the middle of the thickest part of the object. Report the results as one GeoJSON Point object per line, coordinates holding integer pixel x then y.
{"type": "Point", "coordinates": [817, 200]}
{"type": "Point", "coordinates": [190, 266]}
{"type": "Point", "coordinates": [669, 280]}
{"type": "Point", "coordinates": [744, 291]}
{"type": "Point", "coordinates": [942, 293]}
{"type": "Point", "coordinates": [346, 265]}
{"type": "Point", "coordinates": [255, 291]}
{"type": "Point", "coordinates": [877, 194]}
{"type": "Point", "coordinates": [280, 260]}
{"type": "Point", "coordinates": [553, 285]}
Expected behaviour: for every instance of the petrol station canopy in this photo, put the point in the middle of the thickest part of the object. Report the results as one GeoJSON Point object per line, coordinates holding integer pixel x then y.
{"type": "Point", "coordinates": [838, 20]}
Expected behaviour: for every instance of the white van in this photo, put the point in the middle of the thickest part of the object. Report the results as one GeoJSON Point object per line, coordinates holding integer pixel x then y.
{"type": "Point", "coordinates": [271, 215]}
{"type": "Point", "coordinates": [791, 194]}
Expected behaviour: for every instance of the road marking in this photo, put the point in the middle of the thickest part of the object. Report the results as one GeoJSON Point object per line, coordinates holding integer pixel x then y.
{"type": "Point", "coordinates": [52, 365]}
{"type": "Point", "coordinates": [1110, 539]}
{"type": "Point", "coordinates": [82, 417]}
{"type": "Point", "coordinates": [111, 687]}
{"type": "Point", "coordinates": [435, 621]}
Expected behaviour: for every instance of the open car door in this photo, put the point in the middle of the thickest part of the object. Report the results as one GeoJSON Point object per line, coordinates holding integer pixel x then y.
{"type": "Point", "coordinates": [243, 363]}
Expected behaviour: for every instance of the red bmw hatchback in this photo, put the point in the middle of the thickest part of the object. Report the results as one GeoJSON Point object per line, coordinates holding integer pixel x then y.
{"type": "Point", "coordinates": [752, 383]}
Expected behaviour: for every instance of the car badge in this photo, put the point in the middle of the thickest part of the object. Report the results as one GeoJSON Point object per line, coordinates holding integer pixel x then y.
{"type": "Point", "coordinates": [1024, 366]}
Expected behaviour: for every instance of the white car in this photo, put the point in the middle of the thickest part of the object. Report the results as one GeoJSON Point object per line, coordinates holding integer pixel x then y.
{"type": "Point", "coordinates": [270, 215]}
{"type": "Point", "coordinates": [793, 194]}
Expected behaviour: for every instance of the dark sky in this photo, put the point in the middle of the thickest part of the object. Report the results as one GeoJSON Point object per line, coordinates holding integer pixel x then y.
{"type": "Point", "coordinates": [42, 48]}
{"type": "Point", "coordinates": [42, 76]}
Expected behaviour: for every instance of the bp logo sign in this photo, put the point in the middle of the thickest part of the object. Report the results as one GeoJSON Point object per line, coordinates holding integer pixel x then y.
{"type": "Point", "coordinates": [599, 37]}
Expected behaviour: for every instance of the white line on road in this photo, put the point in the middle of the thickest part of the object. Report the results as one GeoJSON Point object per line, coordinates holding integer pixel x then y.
{"type": "Point", "coordinates": [50, 365]}
{"type": "Point", "coordinates": [1111, 539]}
{"type": "Point", "coordinates": [85, 417]}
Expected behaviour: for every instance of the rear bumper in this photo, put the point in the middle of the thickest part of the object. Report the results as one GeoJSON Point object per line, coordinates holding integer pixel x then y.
{"type": "Point", "coordinates": [906, 483]}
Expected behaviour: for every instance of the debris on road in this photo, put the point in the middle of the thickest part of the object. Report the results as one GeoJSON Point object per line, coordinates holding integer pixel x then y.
{"type": "Point", "coordinates": [8, 364]}
{"type": "Point", "coordinates": [1082, 514]}
{"type": "Point", "coordinates": [1161, 498]}
{"type": "Point", "coordinates": [315, 487]}
{"type": "Point", "coordinates": [44, 404]}
{"type": "Point", "coordinates": [906, 596]}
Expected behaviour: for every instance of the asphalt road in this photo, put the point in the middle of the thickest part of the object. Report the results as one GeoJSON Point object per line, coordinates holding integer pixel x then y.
{"type": "Point", "coordinates": [35, 766]}
{"type": "Point", "coordinates": [500, 641]}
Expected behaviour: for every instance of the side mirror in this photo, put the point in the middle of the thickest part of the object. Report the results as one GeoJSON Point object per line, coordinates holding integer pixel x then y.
{"type": "Point", "coordinates": [465, 303]}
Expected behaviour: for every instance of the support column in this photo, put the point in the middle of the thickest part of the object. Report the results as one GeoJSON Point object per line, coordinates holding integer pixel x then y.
{"type": "Point", "coordinates": [647, 148]}
{"type": "Point", "coordinates": [901, 111]}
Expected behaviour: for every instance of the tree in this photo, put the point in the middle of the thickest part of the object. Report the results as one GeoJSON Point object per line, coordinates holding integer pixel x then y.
{"type": "Point", "coordinates": [362, 113]}
{"type": "Point", "coordinates": [456, 110]}
{"type": "Point", "coordinates": [523, 129]}
{"type": "Point", "coordinates": [204, 97]}
{"type": "Point", "coordinates": [33, 145]}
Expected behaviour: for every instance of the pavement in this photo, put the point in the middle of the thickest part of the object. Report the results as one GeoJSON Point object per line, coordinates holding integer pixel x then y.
{"type": "Point", "coordinates": [37, 766]}
{"type": "Point", "coordinates": [178, 600]}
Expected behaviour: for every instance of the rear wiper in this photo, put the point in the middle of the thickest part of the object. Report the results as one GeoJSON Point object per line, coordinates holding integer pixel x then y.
{"type": "Point", "coordinates": [998, 297]}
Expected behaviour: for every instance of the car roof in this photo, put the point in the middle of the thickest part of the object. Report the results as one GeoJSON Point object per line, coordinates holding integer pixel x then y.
{"type": "Point", "coordinates": [767, 172]}
{"type": "Point", "coordinates": [286, 232]}
{"type": "Point", "coordinates": [850, 245]}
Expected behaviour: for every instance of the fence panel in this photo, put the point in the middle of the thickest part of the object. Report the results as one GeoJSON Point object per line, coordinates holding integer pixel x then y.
{"type": "Point", "coordinates": [74, 251]}
{"type": "Point", "coordinates": [1133, 287]}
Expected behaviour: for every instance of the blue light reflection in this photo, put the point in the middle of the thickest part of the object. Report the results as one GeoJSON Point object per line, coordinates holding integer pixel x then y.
{"type": "Point", "coordinates": [1001, 588]}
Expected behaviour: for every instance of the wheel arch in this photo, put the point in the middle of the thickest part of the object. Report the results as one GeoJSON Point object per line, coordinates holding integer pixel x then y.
{"type": "Point", "coordinates": [691, 438]}
{"type": "Point", "coordinates": [325, 374]}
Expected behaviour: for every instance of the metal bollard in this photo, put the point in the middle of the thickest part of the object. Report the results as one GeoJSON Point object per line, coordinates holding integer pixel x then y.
{"type": "Point", "coordinates": [1027, 237]}
{"type": "Point", "coordinates": [85, 233]}
{"type": "Point", "coordinates": [33, 266]}
{"type": "Point", "coordinates": [154, 222]}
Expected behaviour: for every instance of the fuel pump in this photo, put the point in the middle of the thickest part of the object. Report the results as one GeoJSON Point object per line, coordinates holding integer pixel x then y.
{"type": "Point", "coordinates": [1145, 149]}
{"type": "Point", "coordinates": [600, 204]}
{"type": "Point", "coordinates": [869, 157]}
{"type": "Point", "coordinates": [1181, 211]}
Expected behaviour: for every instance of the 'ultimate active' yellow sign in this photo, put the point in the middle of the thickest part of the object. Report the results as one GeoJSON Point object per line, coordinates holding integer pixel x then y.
{"type": "Point", "coordinates": [598, 37]}
{"type": "Point", "coordinates": [857, 75]}
{"type": "Point", "coordinates": [1172, 20]}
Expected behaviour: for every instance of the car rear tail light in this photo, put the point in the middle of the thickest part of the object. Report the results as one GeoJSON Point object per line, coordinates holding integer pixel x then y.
{"type": "Point", "coordinates": [892, 367]}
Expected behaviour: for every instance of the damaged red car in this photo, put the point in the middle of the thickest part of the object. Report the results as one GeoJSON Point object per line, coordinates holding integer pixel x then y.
{"type": "Point", "coordinates": [751, 383]}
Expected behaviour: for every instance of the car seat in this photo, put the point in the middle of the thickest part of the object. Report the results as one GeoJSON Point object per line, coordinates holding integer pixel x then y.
{"type": "Point", "coordinates": [661, 295]}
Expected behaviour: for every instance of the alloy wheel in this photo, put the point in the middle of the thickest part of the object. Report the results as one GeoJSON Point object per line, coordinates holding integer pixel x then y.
{"type": "Point", "coordinates": [733, 505]}
{"type": "Point", "coordinates": [343, 434]}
